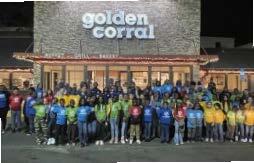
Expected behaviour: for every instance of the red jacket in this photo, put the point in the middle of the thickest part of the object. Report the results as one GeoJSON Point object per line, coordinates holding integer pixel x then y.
{"type": "Point", "coordinates": [15, 102]}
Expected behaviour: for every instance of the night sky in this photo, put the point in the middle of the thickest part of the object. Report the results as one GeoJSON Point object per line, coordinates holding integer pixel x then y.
{"type": "Point", "coordinates": [218, 18]}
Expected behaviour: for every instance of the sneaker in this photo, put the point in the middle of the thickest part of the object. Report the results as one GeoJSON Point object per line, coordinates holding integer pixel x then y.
{"type": "Point", "coordinates": [177, 144]}
{"type": "Point", "coordinates": [236, 138]}
{"type": "Point", "coordinates": [73, 144]}
{"type": "Point", "coordinates": [250, 140]}
{"type": "Point", "coordinates": [126, 140]}
{"type": "Point", "coordinates": [122, 141]}
{"type": "Point", "coordinates": [111, 141]}
{"type": "Point", "coordinates": [68, 144]}
{"type": "Point", "coordinates": [53, 141]}
{"type": "Point", "coordinates": [97, 143]}
{"type": "Point", "coordinates": [138, 141]}
{"type": "Point", "coordinates": [242, 140]}
{"type": "Point", "coordinates": [211, 140]}
{"type": "Point", "coordinates": [181, 143]}
{"type": "Point", "coordinates": [131, 141]}
{"type": "Point", "coordinates": [206, 140]}
{"type": "Point", "coordinates": [245, 140]}
{"type": "Point", "coordinates": [116, 141]}
{"type": "Point", "coordinates": [49, 141]}
{"type": "Point", "coordinates": [231, 141]}
{"type": "Point", "coordinates": [3, 132]}
{"type": "Point", "coordinates": [28, 134]}
{"type": "Point", "coordinates": [101, 142]}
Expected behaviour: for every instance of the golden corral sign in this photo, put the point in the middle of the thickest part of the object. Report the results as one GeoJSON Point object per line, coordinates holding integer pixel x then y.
{"type": "Point", "coordinates": [118, 25]}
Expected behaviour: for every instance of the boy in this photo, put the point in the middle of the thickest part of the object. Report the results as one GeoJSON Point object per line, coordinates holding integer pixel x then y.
{"type": "Point", "coordinates": [199, 115]}
{"type": "Point", "coordinates": [191, 123]}
{"type": "Point", "coordinates": [209, 114]}
{"type": "Point", "coordinates": [148, 118]}
{"type": "Point", "coordinates": [179, 115]}
{"type": "Point", "coordinates": [125, 105]}
{"type": "Point", "coordinates": [60, 122]}
{"type": "Point", "coordinates": [219, 117]}
{"type": "Point", "coordinates": [15, 106]}
{"type": "Point", "coordinates": [30, 111]}
{"type": "Point", "coordinates": [240, 117]}
{"type": "Point", "coordinates": [71, 111]}
{"type": "Point", "coordinates": [135, 120]}
{"type": "Point", "coordinates": [52, 121]}
{"type": "Point", "coordinates": [231, 121]}
{"type": "Point", "coordinates": [165, 117]}
{"type": "Point", "coordinates": [249, 122]}
{"type": "Point", "coordinates": [40, 123]}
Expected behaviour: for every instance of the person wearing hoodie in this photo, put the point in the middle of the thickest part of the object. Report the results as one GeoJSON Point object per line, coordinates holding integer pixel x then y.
{"type": "Point", "coordinates": [166, 118]}
{"type": "Point", "coordinates": [148, 118]}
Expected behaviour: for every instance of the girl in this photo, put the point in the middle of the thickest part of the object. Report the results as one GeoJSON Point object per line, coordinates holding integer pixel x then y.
{"type": "Point", "coordinates": [191, 123]}
{"type": "Point", "coordinates": [101, 116]}
{"type": "Point", "coordinates": [135, 121]}
{"type": "Point", "coordinates": [148, 117]}
{"type": "Point", "coordinates": [52, 121]}
{"type": "Point", "coordinates": [249, 122]}
{"type": "Point", "coordinates": [60, 122]}
{"type": "Point", "coordinates": [71, 111]}
{"type": "Point", "coordinates": [113, 110]}
{"type": "Point", "coordinates": [125, 105]}
{"type": "Point", "coordinates": [199, 115]}
{"type": "Point", "coordinates": [240, 117]}
{"type": "Point", "coordinates": [82, 120]}
{"type": "Point", "coordinates": [179, 115]}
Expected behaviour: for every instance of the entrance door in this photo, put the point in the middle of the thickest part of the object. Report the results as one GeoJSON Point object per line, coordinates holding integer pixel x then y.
{"type": "Point", "coordinates": [55, 75]}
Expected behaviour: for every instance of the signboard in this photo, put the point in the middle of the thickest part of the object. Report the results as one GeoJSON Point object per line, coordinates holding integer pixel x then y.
{"type": "Point", "coordinates": [118, 25]}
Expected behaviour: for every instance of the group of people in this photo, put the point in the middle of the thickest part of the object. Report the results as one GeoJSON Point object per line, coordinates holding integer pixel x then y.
{"type": "Point", "coordinates": [174, 113]}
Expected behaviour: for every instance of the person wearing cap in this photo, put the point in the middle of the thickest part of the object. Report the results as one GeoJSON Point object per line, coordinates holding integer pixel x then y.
{"type": "Point", "coordinates": [219, 117]}
{"type": "Point", "coordinates": [209, 114]}
{"type": "Point", "coordinates": [231, 121]}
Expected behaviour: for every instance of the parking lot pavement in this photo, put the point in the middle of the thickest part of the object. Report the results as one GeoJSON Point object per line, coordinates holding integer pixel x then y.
{"type": "Point", "coordinates": [19, 148]}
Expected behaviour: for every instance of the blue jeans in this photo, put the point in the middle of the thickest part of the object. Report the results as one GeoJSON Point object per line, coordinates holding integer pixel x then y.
{"type": "Point", "coordinates": [148, 128]}
{"type": "Point", "coordinates": [164, 128]}
{"type": "Point", "coordinates": [239, 128]}
{"type": "Point", "coordinates": [249, 131]}
{"type": "Point", "coordinates": [82, 132]}
{"type": "Point", "coordinates": [114, 128]}
{"type": "Point", "coordinates": [218, 132]}
{"type": "Point", "coordinates": [124, 129]}
{"type": "Point", "coordinates": [31, 124]}
{"type": "Point", "coordinates": [92, 128]}
{"type": "Point", "coordinates": [178, 137]}
{"type": "Point", "coordinates": [15, 118]}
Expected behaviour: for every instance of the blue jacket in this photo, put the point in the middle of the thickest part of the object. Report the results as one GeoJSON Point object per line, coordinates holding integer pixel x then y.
{"type": "Point", "coordinates": [29, 110]}
{"type": "Point", "coordinates": [165, 116]}
{"type": "Point", "coordinates": [191, 118]}
{"type": "Point", "coordinates": [3, 99]}
{"type": "Point", "coordinates": [148, 113]}
{"type": "Point", "coordinates": [83, 113]}
{"type": "Point", "coordinates": [60, 115]}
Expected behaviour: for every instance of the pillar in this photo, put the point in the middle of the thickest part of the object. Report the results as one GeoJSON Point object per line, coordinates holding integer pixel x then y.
{"type": "Point", "coordinates": [10, 80]}
{"type": "Point", "coordinates": [171, 74]}
{"type": "Point", "coordinates": [149, 75]}
{"type": "Point", "coordinates": [226, 80]}
{"type": "Point", "coordinates": [195, 73]}
{"type": "Point", "coordinates": [85, 73]}
{"type": "Point", "coordinates": [129, 77]}
{"type": "Point", "coordinates": [42, 76]}
{"type": "Point", "coordinates": [107, 75]}
{"type": "Point", "coordinates": [64, 73]}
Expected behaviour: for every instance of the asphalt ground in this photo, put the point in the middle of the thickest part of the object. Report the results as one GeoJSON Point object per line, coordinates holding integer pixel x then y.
{"type": "Point", "coordinates": [19, 148]}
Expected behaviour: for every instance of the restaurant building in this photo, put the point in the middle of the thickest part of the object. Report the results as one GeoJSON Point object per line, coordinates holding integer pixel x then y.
{"type": "Point", "coordinates": [138, 41]}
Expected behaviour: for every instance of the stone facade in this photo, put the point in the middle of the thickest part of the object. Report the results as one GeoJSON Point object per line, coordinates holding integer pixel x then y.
{"type": "Point", "coordinates": [58, 28]}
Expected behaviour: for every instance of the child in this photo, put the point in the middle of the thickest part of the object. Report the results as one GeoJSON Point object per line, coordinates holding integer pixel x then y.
{"type": "Point", "coordinates": [125, 105]}
{"type": "Point", "coordinates": [40, 123]}
{"type": "Point", "coordinates": [52, 121]}
{"type": "Point", "coordinates": [148, 118]}
{"type": "Point", "coordinates": [209, 113]}
{"type": "Point", "coordinates": [231, 121]}
{"type": "Point", "coordinates": [199, 115]}
{"type": "Point", "coordinates": [165, 116]}
{"type": "Point", "coordinates": [135, 121]}
{"type": "Point", "coordinates": [240, 117]}
{"type": "Point", "coordinates": [71, 111]}
{"type": "Point", "coordinates": [179, 115]}
{"type": "Point", "coordinates": [30, 112]}
{"type": "Point", "coordinates": [249, 122]}
{"type": "Point", "coordinates": [15, 106]}
{"type": "Point", "coordinates": [82, 117]}
{"type": "Point", "coordinates": [60, 122]}
{"type": "Point", "coordinates": [219, 117]}
{"type": "Point", "coordinates": [191, 123]}
{"type": "Point", "coordinates": [114, 108]}
{"type": "Point", "coordinates": [101, 117]}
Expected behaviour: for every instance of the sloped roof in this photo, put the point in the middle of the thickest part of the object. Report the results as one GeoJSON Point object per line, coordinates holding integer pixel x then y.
{"type": "Point", "coordinates": [231, 58]}
{"type": "Point", "coordinates": [10, 45]}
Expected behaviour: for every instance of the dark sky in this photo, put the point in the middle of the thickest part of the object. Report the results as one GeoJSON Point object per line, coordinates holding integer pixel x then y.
{"type": "Point", "coordinates": [218, 18]}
